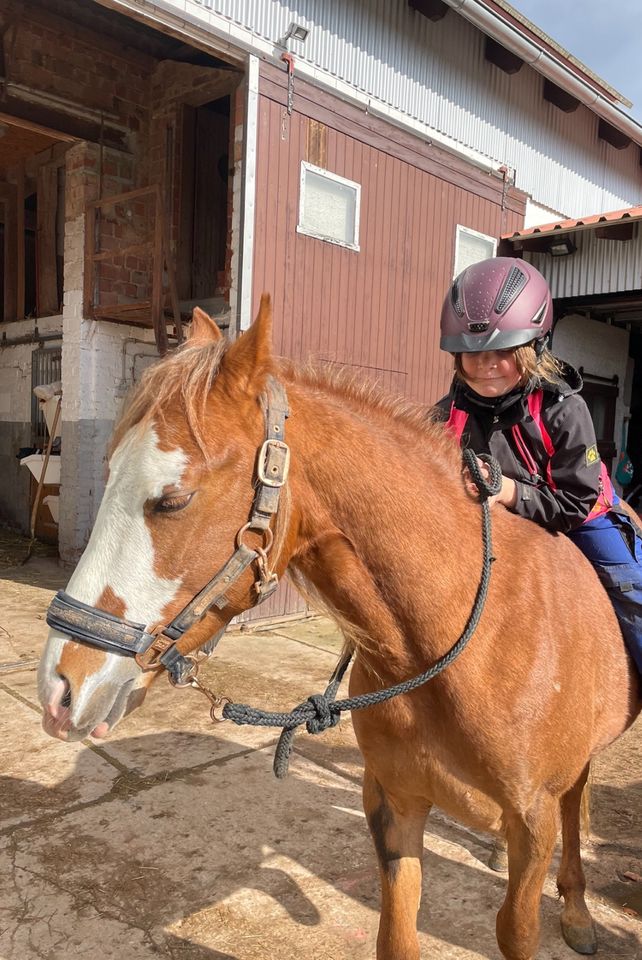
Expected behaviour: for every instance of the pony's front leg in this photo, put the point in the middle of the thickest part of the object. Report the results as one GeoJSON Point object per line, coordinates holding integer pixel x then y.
{"type": "Point", "coordinates": [531, 839]}
{"type": "Point", "coordinates": [397, 828]}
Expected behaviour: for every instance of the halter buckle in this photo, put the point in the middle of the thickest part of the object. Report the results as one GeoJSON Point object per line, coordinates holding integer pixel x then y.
{"type": "Point", "coordinates": [273, 463]}
{"type": "Point", "coordinates": [150, 659]}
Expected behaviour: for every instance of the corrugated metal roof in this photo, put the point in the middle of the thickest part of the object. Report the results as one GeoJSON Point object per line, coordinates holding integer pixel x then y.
{"type": "Point", "coordinates": [434, 76]}
{"type": "Point", "coordinates": [532, 28]}
{"type": "Point", "coordinates": [582, 223]}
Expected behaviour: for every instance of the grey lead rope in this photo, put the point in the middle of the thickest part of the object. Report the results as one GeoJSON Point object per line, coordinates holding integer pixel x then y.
{"type": "Point", "coordinates": [321, 711]}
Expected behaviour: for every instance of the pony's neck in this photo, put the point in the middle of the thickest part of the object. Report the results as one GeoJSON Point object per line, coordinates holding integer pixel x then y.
{"type": "Point", "coordinates": [386, 530]}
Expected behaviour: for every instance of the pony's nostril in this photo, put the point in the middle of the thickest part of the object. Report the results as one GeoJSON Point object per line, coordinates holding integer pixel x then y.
{"type": "Point", "coordinates": [66, 697]}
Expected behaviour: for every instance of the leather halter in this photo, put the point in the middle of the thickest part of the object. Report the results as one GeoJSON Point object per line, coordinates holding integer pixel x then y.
{"type": "Point", "coordinates": [96, 628]}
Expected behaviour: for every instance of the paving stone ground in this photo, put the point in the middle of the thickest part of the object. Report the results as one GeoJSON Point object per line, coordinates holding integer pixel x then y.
{"type": "Point", "coordinates": [173, 839]}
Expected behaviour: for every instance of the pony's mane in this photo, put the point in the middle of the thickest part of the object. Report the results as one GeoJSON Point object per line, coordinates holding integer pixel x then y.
{"type": "Point", "coordinates": [186, 376]}
{"type": "Point", "coordinates": [368, 397]}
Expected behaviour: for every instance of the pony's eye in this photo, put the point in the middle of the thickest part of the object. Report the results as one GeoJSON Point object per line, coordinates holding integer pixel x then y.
{"type": "Point", "coordinates": [172, 504]}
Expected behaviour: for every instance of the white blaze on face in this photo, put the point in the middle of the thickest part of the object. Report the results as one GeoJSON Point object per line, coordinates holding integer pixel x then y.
{"type": "Point", "coordinates": [120, 553]}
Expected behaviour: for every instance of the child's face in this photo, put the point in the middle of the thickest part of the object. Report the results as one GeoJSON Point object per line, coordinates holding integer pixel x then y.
{"type": "Point", "coordinates": [491, 373]}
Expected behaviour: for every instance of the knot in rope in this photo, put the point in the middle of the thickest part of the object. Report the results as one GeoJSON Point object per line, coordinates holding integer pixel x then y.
{"type": "Point", "coordinates": [487, 488]}
{"type": "Point", "coordinates": [324, 717]}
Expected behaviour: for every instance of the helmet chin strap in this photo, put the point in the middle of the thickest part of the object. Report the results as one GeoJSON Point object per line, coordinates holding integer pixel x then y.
{"type": "Point", "coordinates": [541, 345]}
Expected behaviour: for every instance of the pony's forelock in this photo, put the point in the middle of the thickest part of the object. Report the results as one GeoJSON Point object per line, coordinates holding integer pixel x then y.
{"type": "Point", "coordinates": [186, 375]}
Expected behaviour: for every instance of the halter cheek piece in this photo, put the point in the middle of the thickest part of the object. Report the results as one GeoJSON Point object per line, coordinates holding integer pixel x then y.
{"type": "Point", "coordinates": [96, 628]}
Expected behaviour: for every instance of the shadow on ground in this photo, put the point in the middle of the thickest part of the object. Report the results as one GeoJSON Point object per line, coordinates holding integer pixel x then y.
{"type": "Point", "coordinates": [227, 844]}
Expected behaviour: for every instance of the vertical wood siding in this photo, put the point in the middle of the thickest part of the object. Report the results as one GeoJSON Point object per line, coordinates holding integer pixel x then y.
{"type": "Point", "coordinates": [377, 310]}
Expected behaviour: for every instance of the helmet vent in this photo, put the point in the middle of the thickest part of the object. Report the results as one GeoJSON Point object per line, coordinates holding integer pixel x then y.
{"type": "Point", "coordinates": [539, 316]}
{"type": "Point", "coordinates": [513, 285]}
{"type": "Point", "coordinates": [478, 327]}
{"type": "Point", "coordinates": [457, 298]}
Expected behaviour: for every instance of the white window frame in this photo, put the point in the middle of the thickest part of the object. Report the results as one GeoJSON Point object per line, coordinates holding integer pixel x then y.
{"type": "Point", "coordinates": [320, 171]}
{"type": "Point", "coordinates": [461, 229]}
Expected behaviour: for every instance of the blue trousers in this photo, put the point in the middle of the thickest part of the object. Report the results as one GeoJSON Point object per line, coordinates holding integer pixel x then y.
{"type": "Point", "coordinates": [613, 545]}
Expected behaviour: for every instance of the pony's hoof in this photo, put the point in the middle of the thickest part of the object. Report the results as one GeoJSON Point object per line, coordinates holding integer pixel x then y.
{"type": "Point", "coordinates": [498, 859]}
{"type": "Point", "coordinates": [581, 939]}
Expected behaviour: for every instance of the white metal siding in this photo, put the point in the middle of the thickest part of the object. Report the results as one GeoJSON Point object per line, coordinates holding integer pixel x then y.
{"type": "Point", "coordinates": [436, 74]}
{"type": "Point", "coordinates": [597, 266]}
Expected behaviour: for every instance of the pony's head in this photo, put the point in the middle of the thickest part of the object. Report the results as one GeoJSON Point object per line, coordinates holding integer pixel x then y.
{"type": "Point", "coordinates": [181, 474]}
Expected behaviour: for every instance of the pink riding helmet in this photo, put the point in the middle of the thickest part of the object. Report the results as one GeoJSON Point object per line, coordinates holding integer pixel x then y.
{"type": "Point", "coordinates": [496, 304]}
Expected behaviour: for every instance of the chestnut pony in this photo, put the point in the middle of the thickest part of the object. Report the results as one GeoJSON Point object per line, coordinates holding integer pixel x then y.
{"type": "Point", "coordinates": [375, 518]}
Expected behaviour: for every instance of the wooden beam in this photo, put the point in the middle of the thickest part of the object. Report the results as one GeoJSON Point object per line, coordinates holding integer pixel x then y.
{"type": "Point", "coordinates": [59, 122]}
{"type": "Point", "coordinates": [559, 98]}
{"type": "Point", "coordinates": [47, 302]}
{"type": "Point", "coordinates": [134, 249]}
{"type": "Point", "coordinates": [185, 238]}
{"type": "Point", "coordinates": [20, 242]}
{"type": "Point", "coordinates": [171, 279]}
{"type": "Point", "coordinates": [158, 318]}
{"type": "Point", "coordinates": [612, 135]}
{"type": "Point", "coordinates": [26, 124]}
{"type": "Point", "coordinates": [618, 231]}
{"type": "Point", "coordinates": [123, 197]}
{"type": "Point", "coordinates": [505, 59]}
{"type": "Point", "coordinates": [10, 251]}
{"type": "Point", "coordinates": [432, 9]}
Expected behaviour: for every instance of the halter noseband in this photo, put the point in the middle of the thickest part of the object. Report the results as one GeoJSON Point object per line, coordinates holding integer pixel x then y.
{"type": "Point", "coordinates": [96, 628]}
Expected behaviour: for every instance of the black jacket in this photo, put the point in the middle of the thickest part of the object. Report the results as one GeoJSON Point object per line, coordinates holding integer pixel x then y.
{"type": "Point", "coordinates": [575, 465]}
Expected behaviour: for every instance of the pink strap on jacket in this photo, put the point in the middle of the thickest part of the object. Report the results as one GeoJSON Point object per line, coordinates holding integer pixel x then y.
{"type": "Point", "coordinates": [456, 423]}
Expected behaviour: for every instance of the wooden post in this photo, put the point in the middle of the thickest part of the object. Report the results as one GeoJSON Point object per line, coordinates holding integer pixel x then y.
{"type": "Point", "coordinates": [10, 250]}
{"type": "Point", "coordinates": [47, 270]}
{"type": "Point", "coordinates": [158, 318]}
{"type": "Point", "coordinates": [20, 242]}
{"type": "Point", "coordinates": [171, 280]}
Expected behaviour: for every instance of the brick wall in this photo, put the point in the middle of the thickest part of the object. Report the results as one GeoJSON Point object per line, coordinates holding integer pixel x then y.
{"type": "Point", "coordinates": [49, 53]}
{"type": "Point", "coordinates": [138, 100]}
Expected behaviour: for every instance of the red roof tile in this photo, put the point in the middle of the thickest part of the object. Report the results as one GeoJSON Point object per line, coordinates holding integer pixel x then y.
{"type": "Point", "coordinates": [567, 226]}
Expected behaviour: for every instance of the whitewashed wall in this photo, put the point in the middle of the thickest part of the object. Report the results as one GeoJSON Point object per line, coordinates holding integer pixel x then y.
{"type": "Point", "coordinates": [98, 366]}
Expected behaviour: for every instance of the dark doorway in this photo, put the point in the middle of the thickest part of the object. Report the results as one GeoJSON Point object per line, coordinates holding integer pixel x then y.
{"type": "Point", "coordinates": [633, 492]}
{"type": "Point", "coordinates": [601, 395]}
{"type": "Point", "coordinates": [204, 201]}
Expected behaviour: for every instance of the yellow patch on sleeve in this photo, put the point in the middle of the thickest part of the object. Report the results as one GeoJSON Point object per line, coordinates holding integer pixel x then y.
{"type": "Point", "coordinates": [592, 455]}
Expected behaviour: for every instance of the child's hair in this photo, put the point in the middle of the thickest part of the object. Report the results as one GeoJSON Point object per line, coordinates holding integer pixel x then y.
{"type": "Point", "coordinates": [545, 368]}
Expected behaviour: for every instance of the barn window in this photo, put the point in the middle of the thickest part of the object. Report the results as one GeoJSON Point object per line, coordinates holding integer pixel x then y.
{"type": "Point", "coordinates": [46, 368]}
{"type": "Point", "coordinates": [329, 207]}
{"type": "Point", "coordinates": [471, 247]}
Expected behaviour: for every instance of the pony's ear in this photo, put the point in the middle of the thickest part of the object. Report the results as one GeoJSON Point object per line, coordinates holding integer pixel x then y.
{"type": "Point", "coordinates": [249, 360]}
{"type": "Point", "coordinates": [203, 329]}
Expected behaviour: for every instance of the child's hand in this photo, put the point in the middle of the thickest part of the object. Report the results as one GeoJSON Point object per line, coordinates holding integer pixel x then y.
{"type": "Point", "coordinates": [507, 495]}
{"type": "Point", "coordinates": [471, 487]}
